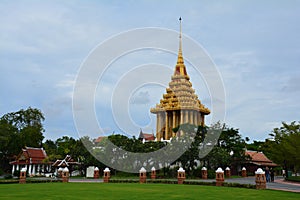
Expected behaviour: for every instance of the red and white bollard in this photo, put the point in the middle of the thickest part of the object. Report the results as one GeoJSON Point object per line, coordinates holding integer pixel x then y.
{"type": "Point", "coordinates": [22, 175]}
{"type": "Point", "coordinates": [204, 172]}
{"type": "Point", "coordinates": [143, 175]}
{"type": "Point", "coordinates": [106, 175]}
{"type": "Point", "coordinates": [227, 172]}
{"type": "Point", "coordinates": [260, 179]}
{"type": "Point", "coordinates": [219, 177]}
{"type": "Point", "coordinates": [244, 172]}
{"type": "Point", "coordinates": [96, 173]}
{"type": "Point", "coordinates": [180, 175]}
{"type": "Point", "coordinates": [153, 173]}
{"type": "Point", "coordinates": [59, 172]}
{"type": "Point", "coordinates": [65, 175]}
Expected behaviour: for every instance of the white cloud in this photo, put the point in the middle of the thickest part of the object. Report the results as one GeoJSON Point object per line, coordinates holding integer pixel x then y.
{"type": "Point", "coordinates": [44, 43]}
{"type": "Point", "coordinates": [140, 98]}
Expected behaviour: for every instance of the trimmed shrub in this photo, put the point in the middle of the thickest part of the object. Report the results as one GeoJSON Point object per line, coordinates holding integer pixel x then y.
{"type": "Point", "coordinates": [197, 173]}
{"type": "Point", "coordinates": [211, 174]}
{"type": "Point", "coordinates": [8, 176]}
{"type": "Point", "coordinates": [186, 182]}
{"type": "Point", "coordinates": [9, 181]}
{"type": "Point", "coordinates": [17, 173]}
{"type": "Point", "coordinates": [1, 172]}
{"type": "Point", "coordinates": [293, 178]}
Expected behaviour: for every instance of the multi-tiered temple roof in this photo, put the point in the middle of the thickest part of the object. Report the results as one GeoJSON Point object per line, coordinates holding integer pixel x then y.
{"type": "Point", "coordinates": [180, 94]}
{"type": "Point", "coordinates": [180, 104]}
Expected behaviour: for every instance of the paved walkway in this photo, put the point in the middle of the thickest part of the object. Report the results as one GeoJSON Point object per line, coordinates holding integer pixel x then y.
{"type": "Point", "coordinates": [278, 184]}
{"type": "Point", "coordinates": [84, 180]}
{"type": "Point", "coordinates": [281, 184]}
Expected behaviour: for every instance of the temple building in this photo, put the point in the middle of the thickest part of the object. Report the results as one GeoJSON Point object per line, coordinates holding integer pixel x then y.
{"type": "Point", "coordinates": [33, 159]}
{"type": "Point", "coordinates": [180, 104]}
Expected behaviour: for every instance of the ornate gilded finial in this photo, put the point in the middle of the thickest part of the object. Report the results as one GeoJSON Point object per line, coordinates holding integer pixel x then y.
{"type": "Point", "coordinates": [180, 37]}
{"type": "Point", "coordinates": [180, 68]}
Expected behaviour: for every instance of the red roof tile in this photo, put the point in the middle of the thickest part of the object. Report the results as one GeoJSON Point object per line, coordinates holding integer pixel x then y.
{"type": "Point", "coordinates": [99, 139]}
{"type": "Point", "coordinates": [259, 158]}
{"type": "Point", "coordinates": [147, 136]}
{"type": "Point", "coordinates": [30, 155]}
{"type": "Point", "coordinates": [65, 162]}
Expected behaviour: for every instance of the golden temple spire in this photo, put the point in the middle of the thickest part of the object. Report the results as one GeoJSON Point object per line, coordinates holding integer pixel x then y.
{"type": "Point", "coordinates": [180, 68]}
{"type": "Point", "coordinates": [180, 38]}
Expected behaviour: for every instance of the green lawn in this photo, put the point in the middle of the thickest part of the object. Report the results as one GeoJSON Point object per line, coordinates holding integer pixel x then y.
{"type": "Point", "coordinates": [134, 191]}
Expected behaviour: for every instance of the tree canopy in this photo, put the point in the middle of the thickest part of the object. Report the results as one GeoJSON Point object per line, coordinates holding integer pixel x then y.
{"type": "Point", "coordinates": [284, 146]}
{"type": "Point", "coordinates": [20, 129]}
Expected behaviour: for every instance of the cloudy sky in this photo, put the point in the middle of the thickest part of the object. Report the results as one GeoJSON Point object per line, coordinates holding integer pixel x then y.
{"type": "Point", "coordinates": [255, 46]}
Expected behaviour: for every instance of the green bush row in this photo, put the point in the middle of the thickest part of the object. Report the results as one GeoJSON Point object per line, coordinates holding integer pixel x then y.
{"type": "Point", "coordinates": [293, 178]}
{"type": "Point", "coordinates": [9, 181]}
{"type": "Point", "coordinates": [187, 182]}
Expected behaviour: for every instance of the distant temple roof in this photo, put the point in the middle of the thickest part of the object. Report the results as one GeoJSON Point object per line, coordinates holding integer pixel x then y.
{"type": "Point", "coordinates": [99, 139]}
{"type": "Point", "coordinates": [260, 159]}
{"type": "Point", "coordinates": [65, 162]}
{"type": "Point", "coordinates": [146, 136]}
{"type": "Point", "coordinates": [30, 155]}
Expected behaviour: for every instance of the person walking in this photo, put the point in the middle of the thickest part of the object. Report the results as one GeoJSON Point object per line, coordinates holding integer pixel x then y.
{"type": "Point", "coordinates": [267, 172]}
{"type": "Point", "coordinates": [272, 174]}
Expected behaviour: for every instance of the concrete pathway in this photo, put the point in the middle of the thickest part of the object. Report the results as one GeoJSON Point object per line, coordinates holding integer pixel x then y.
{"type": "Point", "coordinates": [278, 184]}
{"type": "Point", "coordinates": [281, 184]}
{"type": "Point", "coordinates": [84, 180]}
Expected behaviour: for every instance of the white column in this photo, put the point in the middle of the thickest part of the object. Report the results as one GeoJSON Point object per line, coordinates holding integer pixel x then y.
{"type": "Point", "coordinates": [174, 123]}
{"type": "Point", "coordinates": [33, 170]}
{"type": "Point", "coordinates": [13, 169]}
{"type": "Point", "coordinates": [17, 166]}
{"type": "Point", "coordinates": [186, 116]}
{"type": "Point", "coordinates": [38, 169]}
{"type": "Point", "coordinates": [159, 126]}
{"type": "Point", "coordinates": [29, 172]}
{"type": "Point", "coordinates": [191, 117]}
{"type": "Point", "coordinates": [202, 120]}
{"type": "Point", "coordinates": [181, 117]}
{"type": "Point", "coordinates": [167, 126]}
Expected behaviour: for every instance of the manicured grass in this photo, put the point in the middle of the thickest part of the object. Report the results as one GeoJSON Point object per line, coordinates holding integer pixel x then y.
{"type": "Point", "coordinates": [134, 191]}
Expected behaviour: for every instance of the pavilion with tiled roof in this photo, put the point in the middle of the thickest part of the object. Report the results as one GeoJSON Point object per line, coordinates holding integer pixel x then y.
{"type": "Point", "coordinates": [66, 162]}
{"type": "Point", "coordinates": [260, 159]}
{"type": "Point", "coordinates": [33, 159]}
{"type": "Point", "coordinates": [257, 160]}
{"type": "Point", "coordinates": [146, 136]}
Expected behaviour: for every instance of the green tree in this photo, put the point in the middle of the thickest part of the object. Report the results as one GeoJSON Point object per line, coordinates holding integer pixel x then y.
{"type": "Point", "coordinates": [229, 149]}
{"type": "Point", "coordinates": [29, 126]}
{"type": "Point", "coordinates": [65, 146]}
{"type": "Point", "coordinates": [284, 146]}
{"type": "Point", "coordinates": [17, 130]}
{"type": "Point", "coordinates": [51, 149]}
{"type": "Point", "coordinates": [255, 145]}
{"type": "Point", "coordinates": [8, 143]}
{"type": "Point", "coordinates": [189, 158]}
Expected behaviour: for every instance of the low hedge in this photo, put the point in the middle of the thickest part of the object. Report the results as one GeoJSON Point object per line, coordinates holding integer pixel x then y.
{"type": "Point", "coordinates": [293, 178]}
{"type": "Point", "coordinates": [9, 181]}
{"type": "Point", "coordinates": [186, 182]}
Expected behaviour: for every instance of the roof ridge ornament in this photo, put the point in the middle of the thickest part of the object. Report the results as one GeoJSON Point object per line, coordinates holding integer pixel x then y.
{"type": "Point", "coordinates": [180, 67]}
